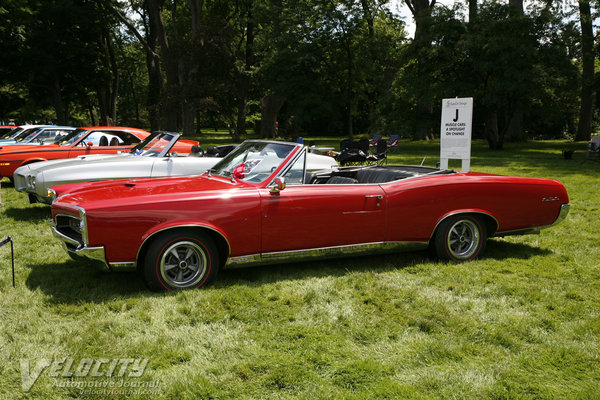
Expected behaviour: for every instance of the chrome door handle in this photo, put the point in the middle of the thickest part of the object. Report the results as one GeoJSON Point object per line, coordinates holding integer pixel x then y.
{"type": "Point", "coordinates": [377, 196]}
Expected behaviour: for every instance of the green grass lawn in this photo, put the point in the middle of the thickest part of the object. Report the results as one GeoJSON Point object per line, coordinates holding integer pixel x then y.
{"type": "Point", "coordinates": [522, 322]}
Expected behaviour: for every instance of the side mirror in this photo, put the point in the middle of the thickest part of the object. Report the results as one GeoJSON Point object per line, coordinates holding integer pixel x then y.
{"type": "Point", "coordinates": [89, 144]}
{"type": "Point", "coordinates": [279, 185]}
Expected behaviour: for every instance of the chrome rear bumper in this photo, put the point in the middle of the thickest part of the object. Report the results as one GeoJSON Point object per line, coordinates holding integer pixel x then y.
{"type": "Point", "coordinates": [562, 214]}
{"type": "Point", "coordinates": [564, 211]}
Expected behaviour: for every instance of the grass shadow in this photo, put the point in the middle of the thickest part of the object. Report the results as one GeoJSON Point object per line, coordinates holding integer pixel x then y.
{"type": "Point", "coordinates": [498, 249]}
{"type": "Point", "coordinates": [338, 267]}
{"type": "Point", "coordinates": [29, 214]}
{"type": "Point", "coordinates": [75, 282]}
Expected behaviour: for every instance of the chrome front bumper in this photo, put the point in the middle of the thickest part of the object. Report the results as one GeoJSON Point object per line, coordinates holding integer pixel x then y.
{"type": "Point", "coordinates": [79, 250]}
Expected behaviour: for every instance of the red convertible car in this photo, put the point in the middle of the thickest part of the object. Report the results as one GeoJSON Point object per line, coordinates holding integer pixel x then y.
{"type": "Point", "coordinates": [82, 141]}
{"type": "Point", "coordinates": [260, 205]}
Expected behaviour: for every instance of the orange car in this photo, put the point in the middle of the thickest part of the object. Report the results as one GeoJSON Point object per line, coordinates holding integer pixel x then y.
{"type": "Point", "coordinates": [82, 141]}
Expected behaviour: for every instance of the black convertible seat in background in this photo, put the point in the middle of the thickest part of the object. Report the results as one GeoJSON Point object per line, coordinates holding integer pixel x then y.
{"type": "Point", "coordinates": [380, 175]}
{"type": "Point", "coordinates": [341, 180]}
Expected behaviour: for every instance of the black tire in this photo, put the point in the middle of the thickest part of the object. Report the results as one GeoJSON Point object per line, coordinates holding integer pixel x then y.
{"type": "Point", "coordinates": [180, 259]}
{"type": "Point", "coordinates": [460, 238]}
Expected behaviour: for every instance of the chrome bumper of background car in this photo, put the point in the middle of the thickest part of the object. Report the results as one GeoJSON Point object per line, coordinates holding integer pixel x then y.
{"type": "Point", "coordinates": [36, 198]}
{"type": "Point", "coordinates": [20, 182]}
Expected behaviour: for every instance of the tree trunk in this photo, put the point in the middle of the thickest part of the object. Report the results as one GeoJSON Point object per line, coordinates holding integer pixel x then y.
{"type": "Point", "coordinates": [155, 79]}
{"type": "Point", "coordinates": [245, 84]}
{"type": "Point", "coordinates": [57, 101]}
{"type": "Point", "coordinates": [188, 114]}
{"type": "Point", "coordinates": [168, 103]}
{"type": "Point", "coordinates": [349, 101]}
{"type": "Point", "coordinates": [472, 10]}
{"type": "Point", "coordinates": [584, 129]}
{"type": "Point", "coordinates": [91, 112]}
{"type": "Point", "coordinates": [514, 127]}
{"type": "Point", "coordinates": [108, 90]}
{"type": "Point", "coordinates": [130, 82]}
{"type": "Point", "coordinates": [516, 7]}
{"type": "Point", "coordinates": [269, 108]}
{"type": "Point", "coordinates": [421, 11]}
{"type": "Point", "coordinates": [155, 76]}
{"type": "Point", "coordinates": [491, 131]}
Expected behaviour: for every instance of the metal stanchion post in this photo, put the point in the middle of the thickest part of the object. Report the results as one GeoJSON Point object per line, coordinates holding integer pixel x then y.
{"type": "Point", "coordinates": [12, 255]}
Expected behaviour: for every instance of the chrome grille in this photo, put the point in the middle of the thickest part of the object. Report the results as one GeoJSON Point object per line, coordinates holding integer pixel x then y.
{"type": "Point", "coordinates": [69, 226]}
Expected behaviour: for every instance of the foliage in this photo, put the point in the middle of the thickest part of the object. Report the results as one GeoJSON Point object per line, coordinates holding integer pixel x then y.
{"type": "Point", "coordinates": [340, 66]}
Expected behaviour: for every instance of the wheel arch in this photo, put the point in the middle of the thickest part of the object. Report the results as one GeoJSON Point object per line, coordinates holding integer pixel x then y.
{"type": "Point", "coordinates": [214, 233]}
{"type": "Point", "coordinates": [33, 160]}
{"type": "Point", "coordinates": [491, 223]}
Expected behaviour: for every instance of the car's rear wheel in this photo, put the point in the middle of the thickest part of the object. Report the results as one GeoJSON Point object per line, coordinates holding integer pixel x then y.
{"type": "Point", "coordinates": [179, 260]}
{"type": "Point", "coordinates": [460, 238]}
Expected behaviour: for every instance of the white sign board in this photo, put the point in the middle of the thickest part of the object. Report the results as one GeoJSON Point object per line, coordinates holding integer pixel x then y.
{"type": "Point", "coordinates": [455, 131]}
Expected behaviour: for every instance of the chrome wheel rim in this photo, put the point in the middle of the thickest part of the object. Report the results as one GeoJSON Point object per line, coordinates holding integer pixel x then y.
{"type": "Point", "coordinates": [463, 239]}
{"type": "Point", "coordinates": [183, 264]}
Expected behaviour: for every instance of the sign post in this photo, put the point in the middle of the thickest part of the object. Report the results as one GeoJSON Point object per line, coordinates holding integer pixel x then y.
{"type": "Point", "coordinates": [12, 255]}
{"type": "Point", "coordinates": [455, 131]}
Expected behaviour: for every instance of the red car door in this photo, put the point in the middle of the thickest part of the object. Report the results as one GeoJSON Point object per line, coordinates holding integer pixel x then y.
{"type": "Point", "coordinates": [103, 142]}
{"type": "Point", "coordinates": [317, 216]}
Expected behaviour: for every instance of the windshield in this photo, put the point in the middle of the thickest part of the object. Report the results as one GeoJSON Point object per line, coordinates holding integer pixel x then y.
{"type": "Point", "coordinates": [8, 133]}
{"type": "Point", "coordinates": [259, 160]}
{"type": "Point", "coordinates": [155, 145]}
{"type": "Point", "coordinates": [71, 138]}
{"type": "Point", "coordinates": [25, 134]}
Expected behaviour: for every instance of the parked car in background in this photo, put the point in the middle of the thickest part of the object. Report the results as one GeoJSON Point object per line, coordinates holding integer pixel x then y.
{"type": "Point", "coordinates": [6, 130]}
{"type": "Point", "coordinates": [160, 154]}
{"type": "Point", "coordinates": [38, 135]}
{"type": "Point", "coordinates": [260, 205]}
{"type": "Point", "coordinates": [15, 131]}
{"type": "Point", "coordinates": [82, 141]}
{"type": "Point", "coordinates": [152, 158]}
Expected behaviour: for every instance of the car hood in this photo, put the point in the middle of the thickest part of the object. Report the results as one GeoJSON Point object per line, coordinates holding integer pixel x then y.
{"type": "Point", "coordinates": [123, 192]}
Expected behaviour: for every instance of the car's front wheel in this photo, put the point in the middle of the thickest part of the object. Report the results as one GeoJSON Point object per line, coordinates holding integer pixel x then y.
{"type": "Point", "coordinates": [180, 260]}
{"type": "Point", "coordinates": [460, 238]}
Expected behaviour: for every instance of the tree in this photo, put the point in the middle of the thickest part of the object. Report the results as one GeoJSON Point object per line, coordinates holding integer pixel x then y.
{"type": "Point", "coordinates": [421, 11]}
{"type": "Point", "coordinates": [584, 129]}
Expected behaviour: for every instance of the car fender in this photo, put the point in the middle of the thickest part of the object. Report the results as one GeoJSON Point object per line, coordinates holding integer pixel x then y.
{"type": "Point", "coordinates": [486, 213]}
{"type": "Point", "coordinates": [155, 230]}
{"type": "Point", "coordinates": [32, 160]}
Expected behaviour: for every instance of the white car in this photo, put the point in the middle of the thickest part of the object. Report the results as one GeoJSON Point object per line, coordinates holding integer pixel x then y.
{"type": "Point", "coordinates": [150, 158]}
